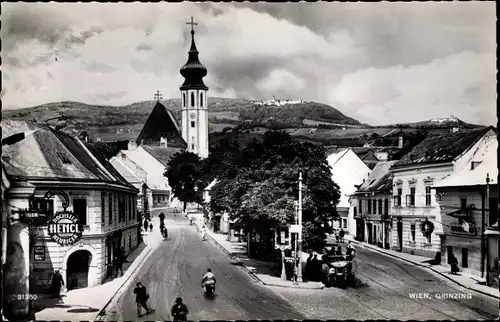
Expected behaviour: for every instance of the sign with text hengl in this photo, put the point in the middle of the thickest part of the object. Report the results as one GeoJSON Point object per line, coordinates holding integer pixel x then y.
{"type": "Point", "coordinates": [65, 228]}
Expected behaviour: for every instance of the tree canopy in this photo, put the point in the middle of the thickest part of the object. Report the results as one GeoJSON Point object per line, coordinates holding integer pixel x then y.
{"type": "Point", "coordinates": [258, 184]}
{"type": "Point", "coordinates": [184, 174]}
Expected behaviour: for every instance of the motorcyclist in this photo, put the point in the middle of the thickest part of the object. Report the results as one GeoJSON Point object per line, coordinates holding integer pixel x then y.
{"type": "Point", "coordinates": [350, 250]}
{"type": "Point", "coordinates": [208, 278]}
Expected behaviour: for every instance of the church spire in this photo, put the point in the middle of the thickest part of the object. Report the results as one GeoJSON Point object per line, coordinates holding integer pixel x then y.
{"type": "Point", "coordinates": [193, 71]}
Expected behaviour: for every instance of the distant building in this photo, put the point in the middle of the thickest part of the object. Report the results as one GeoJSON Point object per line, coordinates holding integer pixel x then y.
{"type": "Point", "coordinates": [371, 204]}
{"type": "Point", "coordinates": [463, 197]}
{"type": "Point", "coordinates": [348, 170]}
{"type": "Point", "coordinates": [279, 102]}
{"type": "Point", "coordinates": [51, 171]}
{"type": "Point", "coordinates": [414, 201]}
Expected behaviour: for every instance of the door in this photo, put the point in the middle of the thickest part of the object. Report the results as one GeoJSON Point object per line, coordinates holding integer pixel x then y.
{"type": "Point", "coordinates": [400, 235]}
{"type": "Point", "coordinates": [449, 253]}
{"type": "Point", "coordinates": [465, 258]}
{"type": "Point", "coordinates": [77, 271]}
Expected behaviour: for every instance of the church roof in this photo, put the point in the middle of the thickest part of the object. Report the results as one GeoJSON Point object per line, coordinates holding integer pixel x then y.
{"type": "Point", "coordinates": [160, 153]}
{"type": "Point", "coordinates": [193, 71]}
{"type": "Point", "coordinates": [161, 123]}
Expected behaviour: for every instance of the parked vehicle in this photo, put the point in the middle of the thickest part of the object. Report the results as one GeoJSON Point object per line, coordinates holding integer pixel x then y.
{"type": "Point", "coordinates": [337, 266]}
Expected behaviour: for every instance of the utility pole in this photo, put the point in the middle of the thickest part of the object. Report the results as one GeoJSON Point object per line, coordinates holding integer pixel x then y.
{"type": "Point", "coordinates": [485, 197]}
{"type": "Point", "coordinates": [299, 252]}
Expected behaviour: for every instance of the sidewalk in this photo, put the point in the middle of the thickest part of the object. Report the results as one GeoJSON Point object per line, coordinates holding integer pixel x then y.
{"type": "Point", "coordinates": [87, 304]}
{"type": "Point", "coordinates": [268, 273]}
{"type": "Point", "coordinates": [465, 280]}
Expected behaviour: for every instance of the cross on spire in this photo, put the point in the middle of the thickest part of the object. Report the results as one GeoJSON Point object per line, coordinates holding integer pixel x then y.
{"type": "Point", "coordinates": [158, 96]}
{"type": "Point", "coordinates": [192, 23]}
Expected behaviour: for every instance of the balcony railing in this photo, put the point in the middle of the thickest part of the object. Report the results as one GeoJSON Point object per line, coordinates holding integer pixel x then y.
{"type": "Point", "coordinates": [459, 229]}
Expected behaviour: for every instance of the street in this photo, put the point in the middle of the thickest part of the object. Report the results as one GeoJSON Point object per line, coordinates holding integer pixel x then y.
{"type": "Point", "coordinates": [384, 288]}
{"type": "Point", "coordinates": [384, 285]}
{"type": "Point", "coordinates": [176, 268]}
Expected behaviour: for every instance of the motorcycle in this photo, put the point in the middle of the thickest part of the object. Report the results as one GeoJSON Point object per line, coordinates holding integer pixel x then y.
{"type": "Point", "coordinates": [209, 289]}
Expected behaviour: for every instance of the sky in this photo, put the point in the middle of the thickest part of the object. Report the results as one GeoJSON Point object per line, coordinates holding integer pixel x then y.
{"type": "Point", "coordinates": [380, 63]}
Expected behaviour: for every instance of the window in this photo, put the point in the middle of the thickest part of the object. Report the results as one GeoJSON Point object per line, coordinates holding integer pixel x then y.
{"type": "Point", "coordinates": [183, 99]}
{"type": "Point", "coordinates": [344, 223]}
{"type": "Point", "coordinates": [374, 206]}
{"type": "Point", "coordinates": [413, 232]}
{"type": "Point", "coordinates": [397, 198]}
{"type": "Point", "coordinates": [427, 196]}
{"type": "Point", "coordinates": [410, 199]}
{"type": "Point", "coordinates": [130, 208]}
{"type": "Point", "coordinates": [80, 210]}
{"type": "Point", "coordinates": [493, 211]}
{"type": "Point", "coordinates": [369, 206]}
{"type": "Point", "coordinates": [192, 99]}
{"type": "Point", "coordinates": [193, 124]}
{"type": "Point", "coordinates": [465, 258]}
{"type": "Point", "coordinates": [355, 212]}
{"type": "Point", "coordinates": [360, 207]}
{"type": "Point", "coordinates": [44, 205]}
{"type": "Point", "coordinates": [201, 99]}
{"type": "Point", "coordinates": [121, 209]}
{"type": "Point", "coordinates": [380, 206]}
{"type": "Point", "coordinates": [192, 146]}
{"type": "Point", "coordinates": [429, 239]}
{"type": "Point", "coordinates": [386, 207]}
{"type": "Point", "coordinates": [463, 203]}
{"type": "Point", "coordinates": [103, 203]}
{"type": "Point", "coordinates": [110, 208]}
{"type": "Point", "coordinates": [64, 158]}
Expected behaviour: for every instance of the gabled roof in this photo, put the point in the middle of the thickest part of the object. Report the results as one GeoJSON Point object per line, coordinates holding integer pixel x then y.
{"type": "Point", "coordinates": [485, 164]}
{"type": "Point", "coordinates": [162, 154]}
{"type": "Point", "coordinates": [53, 155]}
{"type": "Point", "coordinates": [161, 123]}
{"type": "Point", "coordinates": [380, 179]}
{"type": "Point", "coordinates": [442, 148]}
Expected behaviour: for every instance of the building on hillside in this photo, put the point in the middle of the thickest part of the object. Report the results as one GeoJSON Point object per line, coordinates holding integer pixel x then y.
{"type": "Point", "coordinates": [371, 204]}
{"type": "Point", "coordinates": [414, 201]}
{"type": "Point", "coordinates": [53, 173]}
{"type": "Point", "coordinates": [348, 170]}
{"type": "Point", "coordinates": [465, 197]}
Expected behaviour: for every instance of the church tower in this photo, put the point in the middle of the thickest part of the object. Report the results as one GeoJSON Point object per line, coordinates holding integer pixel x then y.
{"type": "Point", "coordinates": [194, 102]}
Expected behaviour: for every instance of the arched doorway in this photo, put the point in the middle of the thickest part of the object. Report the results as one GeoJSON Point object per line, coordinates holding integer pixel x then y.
{"type": "Point", "coordinates": [77, 269]}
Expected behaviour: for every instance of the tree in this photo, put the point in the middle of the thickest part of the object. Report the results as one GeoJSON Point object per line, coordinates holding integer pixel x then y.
{"type": "Point", "coordinates": [261, 188]}
{"type": "Point", "coordinates": [186, 177]}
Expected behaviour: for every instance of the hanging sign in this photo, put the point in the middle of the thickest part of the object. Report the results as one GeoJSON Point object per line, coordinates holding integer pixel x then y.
{"type": "Point", "coordinates": [65, 228]}
{"type": "Point", "coordinates": [29, 216]}
{"type": "Point", "coordinates": [39, 252]}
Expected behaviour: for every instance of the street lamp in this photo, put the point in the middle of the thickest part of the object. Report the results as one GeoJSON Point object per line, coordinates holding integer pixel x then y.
{"type": "Point", "coordinates": [299, 250]}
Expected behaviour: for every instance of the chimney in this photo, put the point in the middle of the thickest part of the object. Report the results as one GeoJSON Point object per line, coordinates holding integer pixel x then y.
{"type": "Point", "coordinates": [400, 141]}
{"type": "Point", "coordinates": [163, 141]}
{"type": "Point", "coordinates": [132, 145]}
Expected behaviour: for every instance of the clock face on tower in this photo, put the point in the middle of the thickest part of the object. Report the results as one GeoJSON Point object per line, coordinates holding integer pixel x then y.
{"type": "Point", "coordinates": [192, 116]}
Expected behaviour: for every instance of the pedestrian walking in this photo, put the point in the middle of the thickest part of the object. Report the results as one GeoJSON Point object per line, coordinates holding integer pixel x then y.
{"type": "Point", "coordinates": [120, 258]}
{"type": "Point", "coordinates": [57, 284]}
{"type": "Point", "coordinates": [146, 224]}
{"type": "Point", "coordinates": [341, 235]}
{"type": "Point", "coordinates": [307, 269]}
{"type": "Point", "coordinates": [162, 217]}
{"type": "Point", "coordinates": [454, 264]}
{"type": "Point", "coordinates": [179, 310]}
{"type": "Point", "coordinates": [151, 227]}
{"type": "Point", "coordinates": [315, 268]}
{"type": "Point", "coordinates": [141, 298]}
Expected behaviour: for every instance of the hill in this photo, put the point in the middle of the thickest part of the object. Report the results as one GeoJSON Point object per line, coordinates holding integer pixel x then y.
{"type": "Point", "coordinates": [307, 121]}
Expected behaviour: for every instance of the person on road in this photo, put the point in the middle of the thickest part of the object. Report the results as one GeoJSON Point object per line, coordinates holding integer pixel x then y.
{"type": "Point", "coordinates": [208, 278]}
{"type": "Point", "coordinates": [307, 269]}
{"type": "Point", "coordinates": [120, 258]}
{"type": "Point", "coordinates": [203, 232]}
{"type": "Point", "coordinates": [57, 284]}
{"type": "Point", "coordinates": [151, 227]}
{"type": "Point", "coordinates": [454, 264]}
{"type": "Point", "coordinates": [315, 268]}
{"type": "Point", "coordinates": [179, 310]}
{"type": "Point", "coordinates": [141, 298]}
{"type": "Point", "coordinates": [162, 217]}
{"type": "Point", "coordinates": [146, 225]}
{"type": "Point", "coordinates": [341, 235]}
{"type": "Point", "coordinates": [350, 251]}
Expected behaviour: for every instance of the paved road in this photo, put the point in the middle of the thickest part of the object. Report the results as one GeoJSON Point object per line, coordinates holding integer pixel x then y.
{"type": "Point", "coordinates": [383, 292]}
{"type": "Point", "coordinates": [176, 268]}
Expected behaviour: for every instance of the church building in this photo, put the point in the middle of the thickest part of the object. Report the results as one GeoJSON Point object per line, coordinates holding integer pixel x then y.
{"type": "Point", "coordinates": [146, 158]}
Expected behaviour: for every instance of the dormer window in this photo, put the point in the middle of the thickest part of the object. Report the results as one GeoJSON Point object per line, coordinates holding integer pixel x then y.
{"type": "Point", "coordinates": [64, 158]}
{"type": "Point", "coordinates": [474, 164]}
